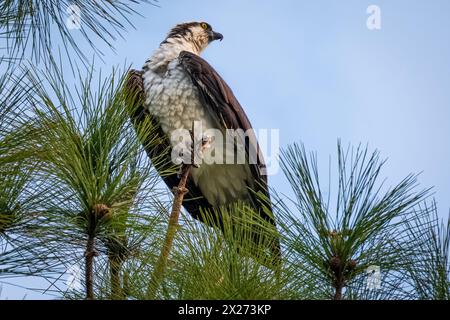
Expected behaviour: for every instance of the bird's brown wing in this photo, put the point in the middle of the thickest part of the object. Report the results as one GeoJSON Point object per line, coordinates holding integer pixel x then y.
{"type": "Point", "coordinates": [219, 100]}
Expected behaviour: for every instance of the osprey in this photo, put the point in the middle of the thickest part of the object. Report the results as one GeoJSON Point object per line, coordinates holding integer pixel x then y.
{"type": "Point", "coordinates": [181, 88]}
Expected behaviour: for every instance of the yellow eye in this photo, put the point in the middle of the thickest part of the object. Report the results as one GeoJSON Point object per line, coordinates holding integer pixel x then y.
{"type": "Point", "coordinates": [204, 26]}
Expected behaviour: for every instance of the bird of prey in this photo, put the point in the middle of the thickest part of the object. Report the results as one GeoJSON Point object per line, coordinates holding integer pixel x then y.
{"type": "Point", "coordinates": [181, 88]}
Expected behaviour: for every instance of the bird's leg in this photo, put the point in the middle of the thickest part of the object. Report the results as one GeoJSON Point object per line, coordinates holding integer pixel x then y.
{"type": "Point", "coordinates": [193, 153]}
{"type": "Point", "coordinates": [207, 142]}
{"type": "Point", "coordinates": [199, 148]}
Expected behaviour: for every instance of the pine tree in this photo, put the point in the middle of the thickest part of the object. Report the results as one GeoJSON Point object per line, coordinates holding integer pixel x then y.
{"type": "Point", "coordinates": [78, 191]}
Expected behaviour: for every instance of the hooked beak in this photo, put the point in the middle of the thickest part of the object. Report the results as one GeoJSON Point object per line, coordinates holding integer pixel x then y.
{"type": "Point", "coordinates": [215, 36]}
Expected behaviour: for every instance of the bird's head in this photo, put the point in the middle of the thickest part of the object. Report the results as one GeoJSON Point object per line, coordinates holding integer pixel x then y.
{"type": "Point", "coordinates": [197, 35]}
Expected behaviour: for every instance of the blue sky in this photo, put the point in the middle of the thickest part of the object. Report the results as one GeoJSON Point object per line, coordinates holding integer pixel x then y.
{"type": "Point", "coordinates": [313, 70]}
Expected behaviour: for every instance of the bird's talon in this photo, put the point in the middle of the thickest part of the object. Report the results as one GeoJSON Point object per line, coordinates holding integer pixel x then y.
{"type": "Point", "coordinates": [178, 190]}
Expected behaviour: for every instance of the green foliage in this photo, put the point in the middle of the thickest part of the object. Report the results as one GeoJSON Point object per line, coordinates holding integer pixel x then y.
{"type": "Point", "coordinates": [429, 270]}
{"type": "Point", "coordinates": [330, 252]}
{"type": "Point", "coordinates": [76, 189]}
{"type": "Point", "coordinates": [96, 200]}
{"type": "Point", "coordinates": [89, 148]}
{"type": "Point", "coordinates": [32, 27]}
{"type": "Point", "coordinates": [20, 236]}
{"type": "Point", "coordinates": [93, 168]}
{"type": "Point", "coordinates": [225, 264]}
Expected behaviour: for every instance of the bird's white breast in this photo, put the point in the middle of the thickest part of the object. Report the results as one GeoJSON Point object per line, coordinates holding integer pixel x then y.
{"type": "Point", "coordinates": [174, 99]}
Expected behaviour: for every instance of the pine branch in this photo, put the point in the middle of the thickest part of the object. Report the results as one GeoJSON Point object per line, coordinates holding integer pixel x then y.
{"type": "Point", "coordinates": [92, 168]}
{"type": "Point", "coordinates": [89, 267]}
{"type": "Point", "coordinates": [367, 229]}
{"type": "Point", "coordinates": [33, 27]}
{"type": "Point", "coordinates": [179, 192]}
